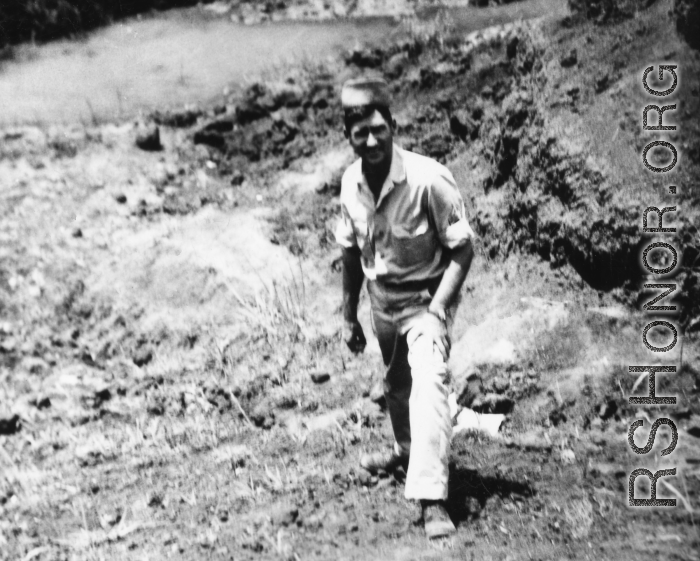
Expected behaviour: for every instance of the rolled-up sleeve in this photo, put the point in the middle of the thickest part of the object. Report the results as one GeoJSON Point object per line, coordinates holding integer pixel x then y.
{"type": "Point", "coordinates": [344, 233]}
{"type": "Point", "coordinates": [447, 211]}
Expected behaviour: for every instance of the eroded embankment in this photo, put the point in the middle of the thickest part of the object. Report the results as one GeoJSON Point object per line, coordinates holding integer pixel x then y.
{"type": "Point", "coordinates": [547, 176]}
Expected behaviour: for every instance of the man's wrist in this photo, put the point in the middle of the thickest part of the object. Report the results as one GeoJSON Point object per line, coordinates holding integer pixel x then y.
{"type": "Point", "coordinates": [438, 311]}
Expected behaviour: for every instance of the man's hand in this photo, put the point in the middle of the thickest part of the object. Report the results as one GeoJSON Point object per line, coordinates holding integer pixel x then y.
{"type": "Point", "coordinates": [353, 336]}
{"type": "Point", "coordinates": [435, 329]}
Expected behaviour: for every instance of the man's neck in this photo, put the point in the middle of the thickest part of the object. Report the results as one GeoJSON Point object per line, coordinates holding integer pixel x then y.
{"type": "Point", "coordinates": [376, 175]}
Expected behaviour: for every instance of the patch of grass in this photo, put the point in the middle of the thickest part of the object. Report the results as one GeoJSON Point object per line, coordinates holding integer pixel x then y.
{"type": "Point", "coordinates": [278, 315]}
{"type": "Point", "coordinates": [559, 348]}
{"type": "Point", "coordinates": [435, 33]}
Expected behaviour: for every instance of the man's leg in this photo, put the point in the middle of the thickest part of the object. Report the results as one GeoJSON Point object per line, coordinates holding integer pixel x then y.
{"type": "Point", "coordinates": [397, 380]}
{"type": "Point", "coordinates": [430, 422]}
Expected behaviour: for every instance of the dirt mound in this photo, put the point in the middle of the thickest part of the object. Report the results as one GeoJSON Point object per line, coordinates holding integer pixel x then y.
{"type": "Point", "coordinates": [275, 122]}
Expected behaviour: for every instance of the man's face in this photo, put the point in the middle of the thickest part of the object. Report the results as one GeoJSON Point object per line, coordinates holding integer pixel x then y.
{"type": "Point", "coordinates": [372, 139]}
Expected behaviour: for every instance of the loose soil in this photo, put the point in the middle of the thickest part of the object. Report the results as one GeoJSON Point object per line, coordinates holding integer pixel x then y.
{"type": "Point", "coordinates": [172, 376]}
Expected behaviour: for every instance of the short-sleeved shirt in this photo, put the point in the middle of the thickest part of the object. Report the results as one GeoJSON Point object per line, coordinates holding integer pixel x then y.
{"type": "Point", "coordinates": [402, 237]}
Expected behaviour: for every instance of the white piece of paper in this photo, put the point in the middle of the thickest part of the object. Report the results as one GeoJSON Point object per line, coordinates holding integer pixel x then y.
{"type": "Point", "coordinates": [469, 420]}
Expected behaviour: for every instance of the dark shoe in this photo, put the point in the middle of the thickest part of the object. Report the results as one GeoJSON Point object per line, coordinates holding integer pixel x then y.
{"type": "Point", "coordinates": [436, 520]}
{"type": "Point", "coordinates": [383, 461]}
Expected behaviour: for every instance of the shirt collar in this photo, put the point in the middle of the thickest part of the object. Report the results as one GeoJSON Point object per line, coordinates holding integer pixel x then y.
{"type": "Point", "coordinates": [397, 174]}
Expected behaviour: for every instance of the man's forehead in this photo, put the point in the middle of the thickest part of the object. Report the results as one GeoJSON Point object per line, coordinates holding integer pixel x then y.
{"type": "Point", "coordinates": [372, 120]}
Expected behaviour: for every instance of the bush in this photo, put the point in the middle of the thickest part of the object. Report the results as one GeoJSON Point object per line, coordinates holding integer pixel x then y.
{"type": "Point", "coordinates": [603, 10]}
{"type": "Point", "coordinates": [687, 14]}
{"type": "Point", "coordinates": [44, 20]}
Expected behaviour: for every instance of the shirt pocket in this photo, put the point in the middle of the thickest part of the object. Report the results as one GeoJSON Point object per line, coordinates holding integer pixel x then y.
{"type": "Point", "coordinates": [413, 248]}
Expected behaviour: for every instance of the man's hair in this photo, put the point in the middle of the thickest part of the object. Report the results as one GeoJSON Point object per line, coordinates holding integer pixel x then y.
{"type": "Point", "coordinates": [355, 114]}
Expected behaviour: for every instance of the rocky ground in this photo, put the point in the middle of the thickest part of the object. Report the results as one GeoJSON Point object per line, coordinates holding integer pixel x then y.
{"type": "Point", "coordinates": [172, 377]}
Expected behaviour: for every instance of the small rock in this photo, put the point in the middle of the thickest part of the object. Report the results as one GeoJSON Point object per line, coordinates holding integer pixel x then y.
{"type": "Point", "coordinates": [512, 47]}
{"type": "Point", "coordinates": [569, 59]}
{"type": "Point", "coordinates": [209, 138]}
{"type": "Point", "coordinates": [207, 539]}
{"type": "Point", "coordinates": [263, 418]}
{"type": "Point", "coordinates": [285, 516]}
{"type": "Point", "coordinates": [182, 118]}
{"type": "Point", "coordinates": [493, 403]}
{"type": "Point", "coordinates": [142, 356]}
{"type": "Point", "coordinates": [462, 124]}
{"type": "Point", "coordinates": [36, 366]}
{"type": "Point", "coordinates": [41, 402]}
{"type": "Point", "coordinates": [10, 426]}
{"type": "Point", "coordinates": [120, 198]}
{"type": "Point", "coordinates": [222, 125]}
{"type": "Point", "coordinates": [325, 421]}
{"type": "Point", "coordinates": [157, 409]}
{"type": "Point", "coordinates": [100, 397]}
{"type": "Point", "coordinates": [77, 233]}
{"type": "Point", "coordinates": [364, 478]}
{"type": "Point", "coordinates": [607, 409]}
{"type": "Point", "coordinates": [529, 442]}
{"type": "Point", "coordinates": [603, 83]}
{"type": "Point", "coordinates": [313, 522]}
{"type": "Point", "coordinates": [148, 138]}
{"type": "Point", "coordinates": [567, 456]}
{"type": "Point", "coordinates": [320, 377]}
{"type": "Point", "coordinates": [286, 402]}
{"type": "Point", "coordinates": [237, 178]}
{"type": "Point", "coordinates": [396, 65]}
{"type": "Point", "coordinates": [8, 345]}
{"type": "Point", "coordinates": [109, 519]}
{"type": "Point", "coordinates": [376, 394]}
{"type": "Point", "coordinates": [501, 384]}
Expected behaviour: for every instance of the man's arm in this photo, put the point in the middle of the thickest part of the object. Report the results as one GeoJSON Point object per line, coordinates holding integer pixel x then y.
{"type": "Point", "coordinates": [453, 278]}
{"type": "Point", "coordinates": [434, 324]}
{"type": "Point", "coordinates": [352, 284]}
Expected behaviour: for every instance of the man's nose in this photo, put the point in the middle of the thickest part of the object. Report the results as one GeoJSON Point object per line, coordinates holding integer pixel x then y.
{"type": "Point", "coordinates": [371, 140]}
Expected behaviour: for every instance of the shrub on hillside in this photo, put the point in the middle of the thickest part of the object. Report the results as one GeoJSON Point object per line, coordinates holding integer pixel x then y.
{"type": "Point", "coordinates": [687, 14]}
{"type": "Point", "coordinates": [43, 20]}
{"type": "Point", "coordinates": [603, 10]}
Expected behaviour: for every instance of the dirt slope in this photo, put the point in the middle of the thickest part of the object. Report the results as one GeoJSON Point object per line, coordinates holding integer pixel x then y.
{"type": "Point", "coordinates": [173, 384]}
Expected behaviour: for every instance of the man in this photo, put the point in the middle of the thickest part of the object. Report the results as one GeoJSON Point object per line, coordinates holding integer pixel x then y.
{"type": "Point", "coordinates": [404, 227]}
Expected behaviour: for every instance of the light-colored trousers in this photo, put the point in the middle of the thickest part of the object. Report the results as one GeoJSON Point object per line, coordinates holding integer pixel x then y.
{"type": "Point", "coordinates": [415, 387]}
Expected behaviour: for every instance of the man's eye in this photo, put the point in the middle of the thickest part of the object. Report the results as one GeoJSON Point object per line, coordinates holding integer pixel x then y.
{"type": "Point", "coordinates": [363, 133]}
